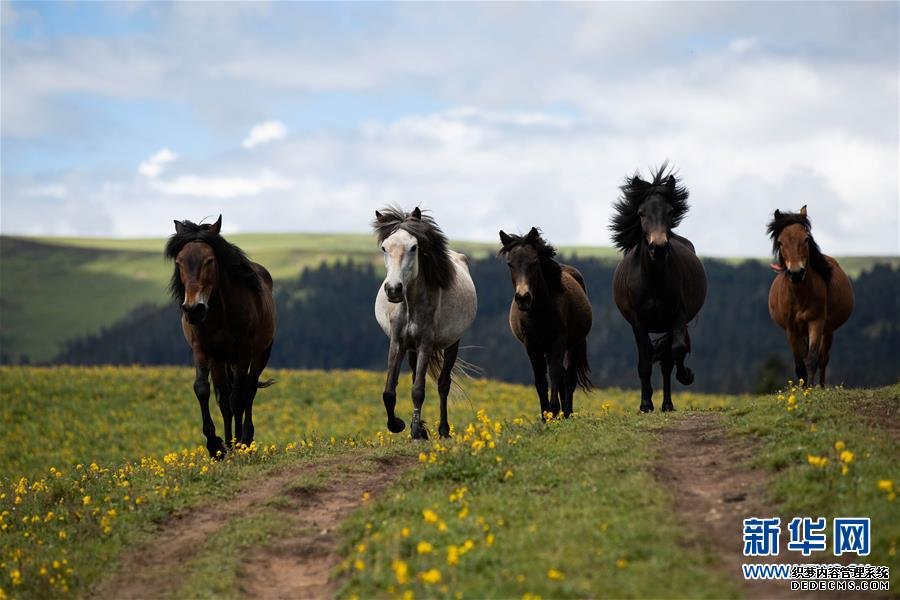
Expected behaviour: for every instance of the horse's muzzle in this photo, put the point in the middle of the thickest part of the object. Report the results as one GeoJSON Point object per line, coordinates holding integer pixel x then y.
{"type": "Point", "coordinates": [394, 293]}
{"type": "Point", "coordinates": [523, 301]}
{"type": "Point", "coordinates": [195, 314]}
{"type": "Point", "coordinates": [658, 251]}
{"type": "Point", "coordinates": [798, 275]}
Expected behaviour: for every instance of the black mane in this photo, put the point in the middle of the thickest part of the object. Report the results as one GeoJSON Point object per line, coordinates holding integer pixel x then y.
{"type": "Point", "coordinates": [551, 269]}
{"type": "Point", "coordinates": [626, 223]}
{"type": "Point", "coordinates": [436, 266]}
{"type": "Point", "coordinates": [234, 266]}
{"type": "Point", "coordinates": [782, 220]}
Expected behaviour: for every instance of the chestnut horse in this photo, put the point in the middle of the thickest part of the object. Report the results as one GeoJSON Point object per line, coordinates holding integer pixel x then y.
{"type": "Point", "coordinates": [660, 285]}
{"type": "Point", "coordinates": [811, 295]}
{"type": "Point", "coordinates": [228, 319]}
{"type": "Point", "coordinates": [551, 315]}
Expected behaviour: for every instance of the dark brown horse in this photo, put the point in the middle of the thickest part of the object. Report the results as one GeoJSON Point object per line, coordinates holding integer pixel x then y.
{"type": "Point", "coordinates": [551, 315]}
{"type": "Point", "coordinates": [660, 284]}
{"type": "Point", "coordinates": [810, 297]}
{"type": "Point", "coordinates": [228, 319]}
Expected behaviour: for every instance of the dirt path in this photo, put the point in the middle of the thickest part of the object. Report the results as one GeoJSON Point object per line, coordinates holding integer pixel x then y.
{"type": "Point", "coordinates": [297, 566]}
{"type": "Point", "coordinates": [714, 491]}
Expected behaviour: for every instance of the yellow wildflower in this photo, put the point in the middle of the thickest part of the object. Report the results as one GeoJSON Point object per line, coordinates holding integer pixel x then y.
{"type": "Point", "coordinates": [359, 565]}
{"type": "Point", "coordinates": [431, 576]}
{"type": "Point", "coordinates": [886, 485]}
{"type": "Point", "coordinates": [839, 445]}
{"type": "Point", "coordinates": [555, 574]}
{"type": "Point", "coordinates": [430, 516]}
{"type": "Point", "coordinates": [847, 456]}
{"type": "Point", "coordinates": [86, 500]}
{"type": "Point", "coordinates": [401, 571]}
{"type": "Point", "coordinates": [424, 548]}
{"type": "Point", "coordinates": [453, 555]}
{"type": "Point", "coordinates": [404, 532]}
{"type": "Point", "coordinates": [622, 563]}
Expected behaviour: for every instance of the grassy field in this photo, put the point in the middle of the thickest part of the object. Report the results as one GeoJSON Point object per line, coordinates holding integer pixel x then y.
{"type": "Point", "coordinates": [93, 458]}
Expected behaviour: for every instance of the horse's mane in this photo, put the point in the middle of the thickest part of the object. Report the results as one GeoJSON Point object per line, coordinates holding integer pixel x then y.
{"type": "Point", "coordinates": [551, 269]}
{"type": "Point", "coordinates": [436, 266]}
{"type": "Point", "coordinates": [234, 266]}
{"type": "Point", "coordinates": [780, 221]}
{"type": "Point", "coordinates": [626, 223]}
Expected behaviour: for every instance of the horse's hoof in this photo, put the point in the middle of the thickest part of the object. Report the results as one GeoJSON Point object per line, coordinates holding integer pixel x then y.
{"type": "Point", "coordinates": [444, 430]}
{"type": "Point", "coordinates": [396, 425]}
{"type": "Point", "coordinates": [216, 449]}
{"type": "Point", "coordinates": [646, 408]}
{"type": "Point", "coordinates": [685, 377]}
{"type": "Point", "coordinates": [418, 431]}
{"type": "Point", "coordinates": [668, 407]}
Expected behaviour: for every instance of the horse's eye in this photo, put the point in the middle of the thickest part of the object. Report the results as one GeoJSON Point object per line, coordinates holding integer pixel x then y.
{"type": "Point", "coordinates": [509, 264]}
{"type": "Point", "coordinates": [641, 213]}
{"type": "Point", "coordinates": [208, 261]}
{"type": "Point", "coordinates": [382, 249]}
{"type": "Point", "coordinates": [414, 248]}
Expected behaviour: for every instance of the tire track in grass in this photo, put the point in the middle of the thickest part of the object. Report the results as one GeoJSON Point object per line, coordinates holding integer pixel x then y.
{"type": "Point", "coordinates": [714, 489]}
{"type": "Point", "coordinates": [162, 567]}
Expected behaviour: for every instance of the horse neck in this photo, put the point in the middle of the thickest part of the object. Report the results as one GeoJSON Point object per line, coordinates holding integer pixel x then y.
{"type": "Point", "coordinates": [417, 297]}
{"type": "Point", "coordinates": [540, 293]}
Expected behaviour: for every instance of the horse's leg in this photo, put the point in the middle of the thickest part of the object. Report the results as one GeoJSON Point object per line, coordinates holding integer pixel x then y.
{"type": "Point", "coordinates": [413, 359]}
{"type": "Point", "coordinates": [222, 386]}
{"type": "Point", "coordinates": [395, 360]}
{"type": "Point", "coordinates": [571, 383]}
{"type": "Point", "coordinates": [257, 365]}
{"type": "Point", "coordinates": [444, 386]}
{"type": "Point", "coordinates": [645, 366]}
{"type": "Point", "coordinates": [238, 395]}
{"type": "Point", "coordinates": [799, 349]}
{"type": "Point", "coordinates": [666, 364]}
{"type": "Point", "coordinates": [539, 367]}
{"type": "Point", "coordinates": [417, 428]}
{"type": "Point", "coordinates": [825, 355]}
{"type": "Point", "coordinates": [214, 443]}
{"type": "Point", "coordinates": [557, 377]}
{"type": "Point", "coordinates": [816, 331]}
{"type": "Point", "coordinates": [683, 374]}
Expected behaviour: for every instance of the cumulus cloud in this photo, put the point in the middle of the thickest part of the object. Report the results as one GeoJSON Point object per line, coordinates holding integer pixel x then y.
{"type": "Point", "coordinates": [265, 132]}
{"type": "Point", "coordinates": [222, 187]}
{"type": "Point", "coordinates": [157, 163]}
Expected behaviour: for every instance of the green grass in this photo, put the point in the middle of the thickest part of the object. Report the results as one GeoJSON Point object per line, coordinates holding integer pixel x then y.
{"type": "Point", "coordinates": [823, 425]}
{"type": "Point", "coordinates": [93, 459]}
{"type": "Point", "coordinates": [569, 510]}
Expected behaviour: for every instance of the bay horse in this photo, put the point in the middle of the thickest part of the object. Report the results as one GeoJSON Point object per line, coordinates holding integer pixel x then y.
{"type": "Point", "coordinates": [228, 319]}
{"type": "Point", "coordinates": [550, 314]}
{"type": "Point", "coordinates": [660, 285]}
{"type": "Point", "coordinates": [810, 297]}
{"type": "Point", "coordinates": [426, 303]}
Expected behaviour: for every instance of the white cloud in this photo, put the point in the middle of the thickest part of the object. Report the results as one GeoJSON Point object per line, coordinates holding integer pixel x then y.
{"type": "Point", "coordinates": [50, 190]}
{"type": "Point", "coordinates": [156, 164]}
{"type": "Point", "coordinates": [222, 187]}
{"type": "Point", "coordinates": [265, 132]}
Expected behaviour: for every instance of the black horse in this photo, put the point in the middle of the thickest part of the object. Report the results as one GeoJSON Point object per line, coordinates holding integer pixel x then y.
{"type": "Point", "coordinates": [660, 284]}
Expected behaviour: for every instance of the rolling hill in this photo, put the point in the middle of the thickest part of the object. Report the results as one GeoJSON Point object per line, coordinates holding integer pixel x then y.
{"type": "Point", "coordinates": [56, 289]}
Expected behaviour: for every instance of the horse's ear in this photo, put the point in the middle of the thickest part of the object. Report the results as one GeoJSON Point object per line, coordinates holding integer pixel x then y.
{"type": "Point", "coordinates": [777, 214]}
{"type": "Point", "coordinates": [378, 216]}
{"type": "Point", "coordinates": [504, 238]}
{"type": "Point", "coordinates": [416, 213]}
{"type": "Point", "coordinates": [670, 183]}
{"type": "Point", "coordinates": [803, 210]}
{"type": "Point", "coordinates": [179, 227]}
{"type": "Point", "coordinates": [533, 235]}
{"type": "Point", "coordinates": [217, 226]}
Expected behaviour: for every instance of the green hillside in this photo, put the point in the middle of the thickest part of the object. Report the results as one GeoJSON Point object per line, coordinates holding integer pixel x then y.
{"type": "Point", "coordinates": [55, 289]}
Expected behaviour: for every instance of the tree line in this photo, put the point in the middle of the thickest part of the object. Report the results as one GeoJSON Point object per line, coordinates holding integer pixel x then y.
{"type": "Point", "coordinates": [326, 320]}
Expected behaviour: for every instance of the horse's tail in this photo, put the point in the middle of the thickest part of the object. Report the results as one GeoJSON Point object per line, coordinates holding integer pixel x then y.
{"type": "Point", "coordinates": [461, 369]}
{"type": "Point", "coordinates": [265, 384]}
{"type": "Point", "coordinates": [579, 363]}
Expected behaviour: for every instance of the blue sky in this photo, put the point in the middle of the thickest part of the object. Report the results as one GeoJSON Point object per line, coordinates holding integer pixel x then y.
{"type": "Point", "coordinates": [119, 117]}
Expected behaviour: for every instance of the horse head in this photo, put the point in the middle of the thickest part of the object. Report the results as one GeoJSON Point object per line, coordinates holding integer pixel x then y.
{"type": "Point", "coordinates": [792, 241]}
{"type": "Point", "coordinates": [197, 271]}
{"type": "Point", "coordinates": [531, 266]}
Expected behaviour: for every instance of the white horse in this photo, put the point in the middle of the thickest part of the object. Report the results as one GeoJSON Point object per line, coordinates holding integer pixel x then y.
{"type": "Point", "coordinates": [426, 304]}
